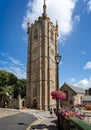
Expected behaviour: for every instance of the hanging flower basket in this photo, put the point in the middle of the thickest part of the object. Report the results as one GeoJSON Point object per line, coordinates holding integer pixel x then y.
{"type": "Point", "coordinates": [58, 95]}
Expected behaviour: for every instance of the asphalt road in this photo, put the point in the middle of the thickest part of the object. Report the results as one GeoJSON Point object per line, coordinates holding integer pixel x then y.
{"type": "Point", "coordinates": [19, 121]}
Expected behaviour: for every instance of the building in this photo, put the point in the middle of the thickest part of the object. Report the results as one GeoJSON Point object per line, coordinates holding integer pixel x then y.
{"type": "Point", "coordinates": [87, 97]}
{"type": "Point", "coordinates": [41, 66]}
{"type": "Point", "coordinates": [74, 94]}
{"type": "Point", "coordinates": [88, 92]}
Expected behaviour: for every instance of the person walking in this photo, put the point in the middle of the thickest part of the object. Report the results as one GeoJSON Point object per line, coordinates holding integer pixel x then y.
{"type": "Point", "coordinates": [51, 112]}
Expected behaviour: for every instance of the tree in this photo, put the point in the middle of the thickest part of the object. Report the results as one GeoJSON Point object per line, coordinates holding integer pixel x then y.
{"type": "Point", "coordinates": [7, 80]}
{"type": "Point", "coordinates": [12, 79]}
{"type": "Point", "coordinates": [5, 89]}
{"type": "Point", "coordinates": [11, 84]}
{"type": "Point", "coordinates": [20, 88]}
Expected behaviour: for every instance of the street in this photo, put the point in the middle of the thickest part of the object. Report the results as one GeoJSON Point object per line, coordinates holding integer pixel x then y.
{"type": "Point", "coordinates": [16, 121]}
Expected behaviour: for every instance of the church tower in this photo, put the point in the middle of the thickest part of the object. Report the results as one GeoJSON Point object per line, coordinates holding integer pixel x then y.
{"type": "Point", "coordinates": [41, 66]}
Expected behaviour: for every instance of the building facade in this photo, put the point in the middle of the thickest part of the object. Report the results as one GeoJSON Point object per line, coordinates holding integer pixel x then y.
{"type": "Point", "coordinates": [74, 94]}
{"type": "Point", "coordinates": [87, 97]}
{"type": "Point", "coordinates": [41, 66]}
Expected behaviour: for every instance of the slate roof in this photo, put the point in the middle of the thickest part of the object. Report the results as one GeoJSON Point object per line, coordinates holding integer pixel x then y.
{"type": "Point", "coordinates": [75, 88]}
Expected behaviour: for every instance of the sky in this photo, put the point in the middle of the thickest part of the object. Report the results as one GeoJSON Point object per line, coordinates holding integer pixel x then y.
{"type": "Point", "coordinates": [74, 41]}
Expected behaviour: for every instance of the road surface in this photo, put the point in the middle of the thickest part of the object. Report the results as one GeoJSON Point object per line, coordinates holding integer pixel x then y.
{"type": "Point", "coordinates": [15, 120]}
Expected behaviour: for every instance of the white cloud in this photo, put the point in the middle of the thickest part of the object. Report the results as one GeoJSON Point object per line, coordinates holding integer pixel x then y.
{"type": "Point", "coordinates": [83, 52]}
{"type": "Point", "coordinates": [72, 80]}
{"type": "Point", "coordinates": [3, 62]}
{"type": "Point", "coordinates": [89, 5]}
{"type": "Point", "coordinates": [85, 83]}
{"type": "Point", "coordinates": [88, 65]}
{"type": "Point", "coordinates": [76, 19]}
{"type": "Point", "coordinates": [61, 10]}
{"type": "Point", "coordinates": [12, 65]}
{"type": "Point", "coordinates": [14, 61]}
{"type": "Point", "coordinates": [21, 73]}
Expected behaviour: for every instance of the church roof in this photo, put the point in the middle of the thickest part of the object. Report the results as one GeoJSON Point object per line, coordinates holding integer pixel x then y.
{"type": "Point", "coordinates": [75, 88]}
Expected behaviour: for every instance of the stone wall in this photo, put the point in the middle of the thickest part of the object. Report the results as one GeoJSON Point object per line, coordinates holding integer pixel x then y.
{"type": "Point", "coordinates": [7, 102]}
{"type": "Point", "coordinates": [73, 98]}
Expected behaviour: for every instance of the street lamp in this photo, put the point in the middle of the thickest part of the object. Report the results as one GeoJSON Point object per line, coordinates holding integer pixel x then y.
{"type": "Point", "coordinates": [57, 59]}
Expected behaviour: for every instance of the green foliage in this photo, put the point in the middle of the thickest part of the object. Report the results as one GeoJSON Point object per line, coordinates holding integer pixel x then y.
{"type": "Point", "coordinates": [6, 89]}
{"type": "Point", "coordinates": [20, 88]}
{"type": "Point", "coordinates": [7, 78]}
{"type": "Point", "coordinates": [11, 84]}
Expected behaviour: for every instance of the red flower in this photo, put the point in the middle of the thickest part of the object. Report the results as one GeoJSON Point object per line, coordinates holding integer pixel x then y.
{"type": "Point", "coordinates": [58, 95]}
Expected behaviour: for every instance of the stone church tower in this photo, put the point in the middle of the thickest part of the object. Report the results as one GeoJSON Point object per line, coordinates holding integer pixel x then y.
{"type": "Point", "coordinates": [41, 66]}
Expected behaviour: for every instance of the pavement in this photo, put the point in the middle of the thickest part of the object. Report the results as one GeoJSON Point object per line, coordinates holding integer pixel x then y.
{"type": "Point", "coordinates": [46, 124]}
{"type": "Point", "coordinates": [7, 112]}
{"type": "Point", "coordinates": [44, 120]}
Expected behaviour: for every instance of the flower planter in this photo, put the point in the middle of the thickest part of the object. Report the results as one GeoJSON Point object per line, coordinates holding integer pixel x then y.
{"type": "Point", "coordinates": [65, 123]}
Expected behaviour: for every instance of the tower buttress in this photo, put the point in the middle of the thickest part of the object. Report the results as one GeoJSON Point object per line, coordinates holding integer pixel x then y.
{"type": "Point", "coordinates": [28, 26]}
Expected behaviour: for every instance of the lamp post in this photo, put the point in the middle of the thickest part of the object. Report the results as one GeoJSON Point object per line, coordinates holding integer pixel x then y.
{"type": "Point", "coordinates": [57, 59]}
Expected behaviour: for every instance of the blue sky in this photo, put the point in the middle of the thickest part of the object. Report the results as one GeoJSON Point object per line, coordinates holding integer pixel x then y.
{"type": "Point", "coordinates": [74, 42]}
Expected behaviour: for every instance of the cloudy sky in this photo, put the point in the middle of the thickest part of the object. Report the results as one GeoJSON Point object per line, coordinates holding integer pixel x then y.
{"type": "Point", "coordinates": [74, 42]}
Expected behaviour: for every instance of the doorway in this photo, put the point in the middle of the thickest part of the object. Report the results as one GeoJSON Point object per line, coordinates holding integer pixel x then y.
{"type": "Point", "coordinates": [35, 104]}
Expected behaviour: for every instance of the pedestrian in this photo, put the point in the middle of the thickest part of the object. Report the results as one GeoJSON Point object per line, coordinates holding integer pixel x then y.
{"type": "Point", "coordinates": [55, 111]}
{"type": "Point", "coordinates": [51, 112]}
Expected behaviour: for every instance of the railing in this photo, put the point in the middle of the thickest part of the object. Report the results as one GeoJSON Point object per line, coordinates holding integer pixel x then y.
{"type": "Point", "coordinates": [74, 124]}
{"type": "Point", "coordinates": [79, 124]}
